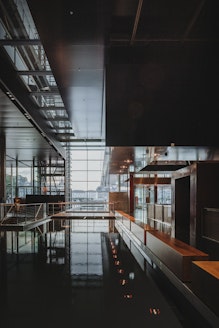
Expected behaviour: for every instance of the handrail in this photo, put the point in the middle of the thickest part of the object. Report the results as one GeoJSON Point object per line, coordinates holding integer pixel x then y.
{"type": "Point", "coordinates": [55, 207]}
{"type": "Point", "coordinates": [23, 212]}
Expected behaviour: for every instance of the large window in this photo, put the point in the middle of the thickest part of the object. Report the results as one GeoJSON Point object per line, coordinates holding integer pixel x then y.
{"type": "Point", "coordinates": [86, 173]}
{"type": "Point", "coordinates": [18, 182]}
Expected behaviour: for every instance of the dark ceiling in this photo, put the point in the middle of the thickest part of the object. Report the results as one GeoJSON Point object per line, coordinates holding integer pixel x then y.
{"type": "Point", "coordinates": [73, 34]}
{"type": "Point", "coordinates": [89, 45]}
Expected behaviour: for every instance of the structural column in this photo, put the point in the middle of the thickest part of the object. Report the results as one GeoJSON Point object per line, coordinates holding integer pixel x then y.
{"type": "Point", "coordinates": [155, 189]}
{"type": "Point", "coordinates": [131, 194]}
{"type": "Point", "coordinates": [2, 169]}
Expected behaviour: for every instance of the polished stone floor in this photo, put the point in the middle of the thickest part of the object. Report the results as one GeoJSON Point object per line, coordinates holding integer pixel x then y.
{"type": "Point", "coordinates": [79, 272]}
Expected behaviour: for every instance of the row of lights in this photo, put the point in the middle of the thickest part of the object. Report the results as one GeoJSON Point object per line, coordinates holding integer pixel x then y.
{"type": "Point", "coordinates": [120, 270]}
{"type": "Point", "coordinates": [10, 95]}
{"type": "Point", "coordinates": [12, 98]}
{"type": "Point", "coordinates": [131, 276]}
{"type": "Point", "coordinates": [127, 165]}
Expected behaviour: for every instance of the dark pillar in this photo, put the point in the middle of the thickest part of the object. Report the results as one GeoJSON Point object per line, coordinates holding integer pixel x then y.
{"type": "Point", "coordinates": [131, 194]}
{"type": "Point", "coordinates": [16, 181]}
{"type": "Point", "coordinates": [2, 169]}
{"type": "Point", "coordinates": [155, 189]}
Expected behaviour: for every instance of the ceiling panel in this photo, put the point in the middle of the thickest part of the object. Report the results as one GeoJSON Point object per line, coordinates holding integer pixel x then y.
{"type": "Point", "coordinates": [23, 141]}
{"type": "Point", "coordinates": [73, 38]}
{"type": "Point", "coordinates": [81, 38]}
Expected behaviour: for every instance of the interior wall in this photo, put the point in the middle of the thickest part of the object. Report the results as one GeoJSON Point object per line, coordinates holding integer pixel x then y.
{"type": "Point", "coordinates": [195, 188]}
{"type": "Point", "coordinates": [159, 95]}
{"type": "Point", "coordinates": [207, 197]}
{"type": "Point", "coordinates": [120, 201]}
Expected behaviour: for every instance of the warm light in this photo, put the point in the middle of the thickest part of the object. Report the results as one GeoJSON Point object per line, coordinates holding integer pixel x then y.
{"type": "Point", "coordinates": [128, 296]}
{"type": "Point", "coordinates": [154, 311]}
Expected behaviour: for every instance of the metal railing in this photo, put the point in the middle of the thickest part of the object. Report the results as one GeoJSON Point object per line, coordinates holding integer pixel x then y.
{"type": "Point", "coordinates": [18, 213]}
{"type": "Point", "coordinates": [105, 207]}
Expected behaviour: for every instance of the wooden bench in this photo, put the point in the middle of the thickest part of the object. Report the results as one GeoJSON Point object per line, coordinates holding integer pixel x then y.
{"type": "Point", "coordinates": [205, 283]}
{"type": "Point", "coordinates": [175, 254]}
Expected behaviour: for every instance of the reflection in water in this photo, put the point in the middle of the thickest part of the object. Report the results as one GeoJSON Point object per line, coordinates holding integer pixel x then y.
{"type": "Point", "coordinates": [77, 271]}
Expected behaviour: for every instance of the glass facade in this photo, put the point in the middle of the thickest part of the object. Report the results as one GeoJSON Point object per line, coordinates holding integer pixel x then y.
{"type": "Point", "coordinates": [86, 175]}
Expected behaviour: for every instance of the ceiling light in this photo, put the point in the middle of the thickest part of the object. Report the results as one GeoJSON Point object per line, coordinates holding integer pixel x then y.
{"type": "Point", "coordinates": [45, 89]}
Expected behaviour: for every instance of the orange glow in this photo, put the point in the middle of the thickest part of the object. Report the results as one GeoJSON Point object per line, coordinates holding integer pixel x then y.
{"type": "Point", "coordinates": [154, 311]}
{"type": "Point", "coordinates": [128, 296]}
